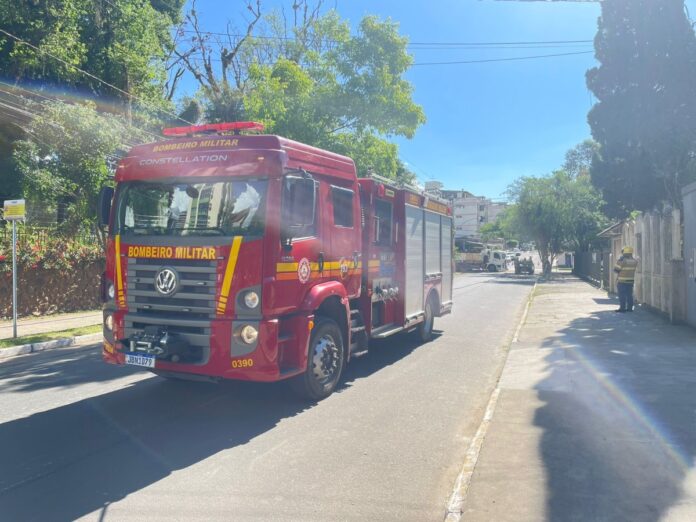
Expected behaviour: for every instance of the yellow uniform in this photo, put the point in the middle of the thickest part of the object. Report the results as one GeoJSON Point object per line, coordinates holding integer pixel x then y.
{"type": "Point", "coordinates": [626, 267]}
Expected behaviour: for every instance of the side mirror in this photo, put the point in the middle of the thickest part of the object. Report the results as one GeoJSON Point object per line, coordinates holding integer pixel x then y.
{"type": "Point", "coordinates": [106, 194]}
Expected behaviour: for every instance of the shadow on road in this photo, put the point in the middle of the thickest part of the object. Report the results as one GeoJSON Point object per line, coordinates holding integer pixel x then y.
{"type": "Point", "coordinates": [58, 369]}
{"type": "Point", "coordinates": [67, 462]}
{"type": "Point", "coordinates": [618, 417]}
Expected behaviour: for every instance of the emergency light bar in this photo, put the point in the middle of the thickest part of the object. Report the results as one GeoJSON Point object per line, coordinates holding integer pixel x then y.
{"type": "Point", "coordinates": [236, 126]}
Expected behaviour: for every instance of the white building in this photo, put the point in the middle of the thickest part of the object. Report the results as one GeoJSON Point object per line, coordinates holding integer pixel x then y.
{"type": "Point", "coordinates": [470, 212]}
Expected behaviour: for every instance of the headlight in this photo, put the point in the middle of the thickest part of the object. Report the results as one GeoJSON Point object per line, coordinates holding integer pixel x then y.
{"type": "Point", "coordinates": [251, 299]}
{"type": "Point", "coordinates": [110, 292]}
{"type": "Point", "coordinates": [109, 322]}
{"type": "Point", "coordinates": [248, 334]}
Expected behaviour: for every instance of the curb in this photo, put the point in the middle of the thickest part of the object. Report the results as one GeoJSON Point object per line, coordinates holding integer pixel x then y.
{"type": "Point", "coordinates": [455, 505]}
{"type": "Point", "coordinates": [12, 351]}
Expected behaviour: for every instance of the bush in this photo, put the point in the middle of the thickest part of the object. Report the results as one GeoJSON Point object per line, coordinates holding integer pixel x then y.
{"type": "Point", "coordinates": [57, 253]}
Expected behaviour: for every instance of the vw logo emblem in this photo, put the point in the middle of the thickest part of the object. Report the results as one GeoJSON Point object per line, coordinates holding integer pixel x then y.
{"type": "Point", "coordinates": [166, 281]}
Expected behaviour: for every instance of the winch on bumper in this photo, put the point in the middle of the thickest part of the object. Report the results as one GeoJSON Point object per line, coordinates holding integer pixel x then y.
{"type": "Point", "coordinates": [164, 345]}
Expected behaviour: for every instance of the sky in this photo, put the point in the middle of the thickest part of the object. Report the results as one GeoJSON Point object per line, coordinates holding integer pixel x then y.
{"type": "Point", "coordinates": [487, 123]}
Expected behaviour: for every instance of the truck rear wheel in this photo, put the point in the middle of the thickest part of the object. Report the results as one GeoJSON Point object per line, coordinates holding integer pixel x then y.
{"type": "Point", "coordinates": [425, 329]}
{"type": "Point", "coordinates": [324, 361]}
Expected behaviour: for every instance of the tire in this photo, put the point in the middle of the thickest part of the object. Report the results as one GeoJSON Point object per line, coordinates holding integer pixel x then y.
{"type": "Point", "coordinates": [425, 329]}
{"type": "Point", "coordinates": [492, 268]}
{"type": "Point", "coordinates": [325, 361]}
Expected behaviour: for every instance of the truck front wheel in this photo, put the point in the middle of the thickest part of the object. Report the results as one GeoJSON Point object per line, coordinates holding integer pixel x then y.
{"type": "Point", "coordinates": [324, 361]}
{"type": "Point", "coordinates": [492, 268]}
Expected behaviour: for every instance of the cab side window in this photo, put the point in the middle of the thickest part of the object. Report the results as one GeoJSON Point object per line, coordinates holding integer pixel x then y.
{"type": "Point", "coordinates": [342, 206]}
{"type": "Point", "coordinates": [299, 207]}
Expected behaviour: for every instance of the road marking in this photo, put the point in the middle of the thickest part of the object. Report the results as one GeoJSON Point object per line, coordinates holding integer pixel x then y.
{"type": "Point", "coordinates": [461, 486]}
{"type": "Point", "coordinates": [524, 314]}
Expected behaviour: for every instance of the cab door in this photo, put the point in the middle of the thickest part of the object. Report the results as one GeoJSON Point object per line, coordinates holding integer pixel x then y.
{"type": "Point", "coordinates": [343, 237]}
{"type": "Point", "coordinates": [301, 243]}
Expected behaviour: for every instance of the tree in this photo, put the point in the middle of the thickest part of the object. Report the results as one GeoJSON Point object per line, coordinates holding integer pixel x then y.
{"type": "Point", "coordinates": [72, 153]}
{"type": "Point", "coordinates": [124, 43]}
{"type": "Point", "coordinates": [558, 212]}
{"type": "Point", "coordinates": [645, 117]}
{"type": "Point", "coordinates": [578, 160]}
{"type": "Point", "coordinates": [313, 81]}
{"type": "Point", "coordinates": [490, 231]}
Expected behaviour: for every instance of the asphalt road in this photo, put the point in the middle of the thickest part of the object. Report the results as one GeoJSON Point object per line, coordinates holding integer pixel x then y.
{"type": "Point", "coordinates": [79, 438]}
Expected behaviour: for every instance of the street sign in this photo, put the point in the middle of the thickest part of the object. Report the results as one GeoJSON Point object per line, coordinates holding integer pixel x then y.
{"type": "Point", "coordinates": [15, 210]}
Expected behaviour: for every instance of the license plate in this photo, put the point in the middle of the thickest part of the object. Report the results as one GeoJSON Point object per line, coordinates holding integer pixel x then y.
{"type": "Point", "coordinates": [148, 361]}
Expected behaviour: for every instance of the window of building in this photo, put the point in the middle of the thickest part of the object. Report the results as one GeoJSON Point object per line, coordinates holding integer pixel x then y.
{"type": "Point", "coordinates": [342, 206]}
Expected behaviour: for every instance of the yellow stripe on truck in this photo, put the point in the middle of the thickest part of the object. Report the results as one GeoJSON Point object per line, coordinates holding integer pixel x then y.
{"type": "Point", "coordinates": [229, 272]}
{"type": "Point", "coordinates": [120, 296]}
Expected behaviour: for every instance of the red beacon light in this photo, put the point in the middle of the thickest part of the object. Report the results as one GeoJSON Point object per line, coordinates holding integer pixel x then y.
{"type": "Point", "coordinates": [211, 128]}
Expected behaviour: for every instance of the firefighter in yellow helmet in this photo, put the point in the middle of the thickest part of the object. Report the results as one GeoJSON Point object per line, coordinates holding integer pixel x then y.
{"type": "Point", "coordinates": [626, 269]}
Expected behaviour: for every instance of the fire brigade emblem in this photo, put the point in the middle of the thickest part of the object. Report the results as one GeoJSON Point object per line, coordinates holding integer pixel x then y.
{"type": "Point", "coordinates": [166, 281]}
{"type": "Point", "coordinates": [343, 266]}
{"type": "Point", "coordinates": [304, 270]}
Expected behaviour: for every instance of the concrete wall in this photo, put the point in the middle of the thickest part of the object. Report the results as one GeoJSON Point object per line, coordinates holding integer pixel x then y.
{"type": "Point", "coordinates": [656, 240]}
{"type": "Point", "coordinates": [41, 291]}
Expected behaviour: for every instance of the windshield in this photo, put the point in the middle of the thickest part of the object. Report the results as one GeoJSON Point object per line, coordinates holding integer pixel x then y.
{"type": "Point", "coordinates": [222, 208]}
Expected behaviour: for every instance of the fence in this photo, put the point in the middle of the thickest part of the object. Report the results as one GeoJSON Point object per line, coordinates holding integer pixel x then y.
{"type": "Point", "coordinates": [656, 238]}
{"type": "Point", "coordinates": [40, 235]}
{"type": "Point", "coordinates": [593, 267]}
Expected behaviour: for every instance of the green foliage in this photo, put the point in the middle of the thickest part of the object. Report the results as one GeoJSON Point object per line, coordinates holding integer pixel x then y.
{"type": "Point", "coordinates": [645, 114]}
{"type": "Point", "coordinates": [578, 160]}
{"type": "Point", "coordinates": [490, 231]}
{"type": "Point", "coordinates": [325, 87]}
{"type": "Point", "coordinates": [506, 226]}
{"type": "Point", "coordinates": [35, 252]}
{"type": "Point", "coordinates": [38, 338]}
{"type": "Point", "coordinates": [123, 42]}
{"type": "Point", "coordinates": [70, 156]}
{"type": "Point", "coordinates": [559, 212]}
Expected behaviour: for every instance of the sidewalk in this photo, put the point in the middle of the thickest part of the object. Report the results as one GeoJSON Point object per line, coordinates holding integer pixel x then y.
{"type": "Point", "coordinates": [596, 417]}
{"type": "Point", "coordinates": [50, 323]}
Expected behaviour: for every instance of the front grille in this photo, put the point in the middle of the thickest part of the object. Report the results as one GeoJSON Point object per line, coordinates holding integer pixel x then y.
{"type": "Point", "coordinates": [188, 312]}
{"type": "Point", "coordinates": [196, 292]}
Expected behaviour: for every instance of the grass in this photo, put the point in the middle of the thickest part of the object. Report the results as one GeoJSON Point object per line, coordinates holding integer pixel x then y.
{"type": "Point", "coordinates": [50, 336]}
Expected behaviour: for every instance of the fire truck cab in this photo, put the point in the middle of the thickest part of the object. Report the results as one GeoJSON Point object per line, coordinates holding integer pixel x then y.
{"type": "Point", "coordinates": [256, 257]}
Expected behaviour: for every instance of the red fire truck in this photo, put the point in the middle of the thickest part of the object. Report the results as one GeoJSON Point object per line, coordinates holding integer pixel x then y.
{"type": "Point", "coordinates": [255, 257]}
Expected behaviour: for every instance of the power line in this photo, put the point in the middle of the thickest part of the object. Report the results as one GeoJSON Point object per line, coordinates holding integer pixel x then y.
{"type": "Point", "coordinates": [509, 59]}
{"type": "Point", "coordinates": [505, 59]}
{"type": "Point", "coordinates": [496, 48]}
{"type": "Point", "coordinates": [291, 39]}
{"type": "Point", "coordinates": [90, 75]}
{"type": "Point", "coordinates": [27, 109]}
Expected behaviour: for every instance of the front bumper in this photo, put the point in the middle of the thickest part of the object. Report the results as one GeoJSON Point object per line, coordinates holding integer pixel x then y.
{"type": "Point", "coordinates": [279, 352]}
